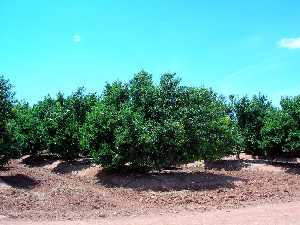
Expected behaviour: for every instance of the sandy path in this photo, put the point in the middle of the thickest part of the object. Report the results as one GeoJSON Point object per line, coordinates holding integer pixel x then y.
{"type": "Point", "coordinates": [270, 214]}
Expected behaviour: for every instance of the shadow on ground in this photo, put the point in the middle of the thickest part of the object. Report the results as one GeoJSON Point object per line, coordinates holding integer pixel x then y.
{"type": "Point", "coordinates": [236, 165]}
{"type": "Point", "coordinates": [169, 181]}
{"type": "Point", "coordinates": [292, 168]}
{"type": "Point", "coordinates": [56, 164]}
{"type": "Point", "coordinates": [39, 160]}
{"type": "Point", "coordinates": [227, 165]}
{"type": "Point", "coordinates": [4, 168]}
{"type": "Point", "coordinates": [72, 166]}
{"type": "Point", "coordinates": [289, 166]}
{"type": "Point", "coordinates": [20, 181]}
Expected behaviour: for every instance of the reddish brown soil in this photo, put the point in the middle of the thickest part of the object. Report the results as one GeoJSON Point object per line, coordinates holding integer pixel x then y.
{"type": "Point", "coordinates": [72, 191]}
{"type": "Point", "coordinates": [266, 214]}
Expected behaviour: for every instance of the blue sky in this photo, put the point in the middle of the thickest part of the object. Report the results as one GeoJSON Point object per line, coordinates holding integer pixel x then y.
{"type": "Point", "coordinates": [235, 47]}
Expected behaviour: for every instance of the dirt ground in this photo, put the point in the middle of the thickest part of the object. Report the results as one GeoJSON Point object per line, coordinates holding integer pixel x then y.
{"type": "Point", "coordinates": [51, 190]}
{"type": "Point", "coordinates": [268, 214]}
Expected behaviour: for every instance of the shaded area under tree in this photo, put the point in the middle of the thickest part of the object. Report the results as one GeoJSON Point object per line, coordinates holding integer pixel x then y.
{"type": "Point", "coordinates": [169, 181]}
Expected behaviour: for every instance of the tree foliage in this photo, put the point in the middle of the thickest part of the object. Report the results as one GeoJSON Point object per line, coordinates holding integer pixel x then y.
{"type": "Point", "coordinates": [250, 115]}
{"type": "Point", "coordinates": [277, 128]}
{"type": "Point", "coordinates": [52, 125]}
{"type": "Point", "coordinates": [267, 130]}
{"type": "Point", "coordinates": [6, 113]}
{"type": "Point", "coordinates": [291, 106]}
{"type": "Point", "coordinates": [144, 126]}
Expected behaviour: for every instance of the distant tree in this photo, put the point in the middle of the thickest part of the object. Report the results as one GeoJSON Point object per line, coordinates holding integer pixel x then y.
{"type": "Point", "coordinates": [6, 113]}
{"type": "Point", "coordinates": [63, 120]}
{"type": "Point", "coordinates": [277, 128]}
{"type": "Point", "coordinates": [291, 106]}
{"type": "Point", "coordinates": [250, 115]}
{"type": "Point", "coordinates": [52, 125]}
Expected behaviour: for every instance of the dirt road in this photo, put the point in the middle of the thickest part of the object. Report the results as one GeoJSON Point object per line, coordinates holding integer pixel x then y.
{"type": "Point", "coordinates": [270, 214]}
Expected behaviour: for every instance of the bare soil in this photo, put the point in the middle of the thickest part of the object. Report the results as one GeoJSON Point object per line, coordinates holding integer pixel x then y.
{"type": "Point", "coordinates": [267, 214]}
{"type": "Point", "coordinates": [54, 190]}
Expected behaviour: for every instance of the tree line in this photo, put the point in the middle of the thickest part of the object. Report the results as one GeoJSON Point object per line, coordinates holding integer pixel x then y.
{"type": "Point", "coordinates": [143, 125]}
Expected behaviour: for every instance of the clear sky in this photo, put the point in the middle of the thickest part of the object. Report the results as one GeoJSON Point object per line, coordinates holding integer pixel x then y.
{"type": "Point", "coordinates": [239, 47]}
